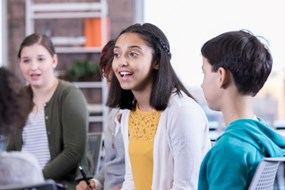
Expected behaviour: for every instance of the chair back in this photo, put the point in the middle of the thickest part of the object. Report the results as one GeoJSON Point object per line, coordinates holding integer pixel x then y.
{"type": "Point", "coordinates": [265, 173]}
{"type": "Point", "coordinates": [95, 145]}
{"type": "Point", "coordinates": [47, 185]}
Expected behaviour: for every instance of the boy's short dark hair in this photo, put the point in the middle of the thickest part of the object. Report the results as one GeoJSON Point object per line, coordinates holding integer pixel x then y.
{"type": "Point", "coordinates": [243, 55]}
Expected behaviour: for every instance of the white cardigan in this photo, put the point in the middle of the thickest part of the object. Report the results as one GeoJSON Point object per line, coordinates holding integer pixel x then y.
{"type": "Point", "coordinates": [180, 144]}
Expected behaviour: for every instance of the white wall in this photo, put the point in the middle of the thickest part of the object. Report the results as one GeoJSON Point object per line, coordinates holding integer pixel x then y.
{"type": "Point", "coordinates": [1, 53]}
{"type": "Point", "coordinates": [3, 33]}
{"type": "Point", "coordinates": [188, 24]}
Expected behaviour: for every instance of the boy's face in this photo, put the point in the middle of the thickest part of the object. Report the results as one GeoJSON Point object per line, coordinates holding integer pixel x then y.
{"type": "Point", "coordinates": [210, 85]}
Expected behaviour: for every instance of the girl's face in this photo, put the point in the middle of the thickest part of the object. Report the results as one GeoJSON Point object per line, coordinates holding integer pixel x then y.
{"type": "Point", "coordinates": [37, 65]}
{"type": "Point", "coordinates": [132, 63]}
{"type": "Point", "coordinates": [210, 85]}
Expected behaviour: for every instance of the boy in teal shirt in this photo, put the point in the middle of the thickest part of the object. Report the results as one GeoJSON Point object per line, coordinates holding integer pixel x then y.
{"type": "Point", "coordinates": [235, 66]}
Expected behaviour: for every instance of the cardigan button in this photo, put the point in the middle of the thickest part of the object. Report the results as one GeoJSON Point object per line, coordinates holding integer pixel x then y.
{"type": "Point", "coordinates": [46, 117]}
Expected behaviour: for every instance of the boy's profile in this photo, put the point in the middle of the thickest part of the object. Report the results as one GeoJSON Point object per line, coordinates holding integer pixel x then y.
{"type": "Point", "coordinates": [236, 65]}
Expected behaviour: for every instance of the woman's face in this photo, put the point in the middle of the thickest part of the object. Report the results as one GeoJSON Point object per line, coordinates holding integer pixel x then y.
{"type": "Point", "coordinates": [37, 65]}
{"type": "Point", "coordinates": [132, 63]}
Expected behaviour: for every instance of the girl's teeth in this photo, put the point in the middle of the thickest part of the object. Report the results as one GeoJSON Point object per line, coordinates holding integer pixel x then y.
{"type": "Point", "coordinates": [124, 73]}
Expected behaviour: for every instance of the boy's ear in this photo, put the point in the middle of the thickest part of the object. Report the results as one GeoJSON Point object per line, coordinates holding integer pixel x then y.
{"type": "Point", "coordinates": [225, 78]}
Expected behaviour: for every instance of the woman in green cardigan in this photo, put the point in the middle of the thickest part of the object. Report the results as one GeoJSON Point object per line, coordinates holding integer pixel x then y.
{"type": "Point", "coordinates": [56, 129]}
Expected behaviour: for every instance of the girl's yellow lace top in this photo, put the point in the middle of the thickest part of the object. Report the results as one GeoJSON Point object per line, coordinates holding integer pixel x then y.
{"type": "Point", "coordinates": [142, 130]}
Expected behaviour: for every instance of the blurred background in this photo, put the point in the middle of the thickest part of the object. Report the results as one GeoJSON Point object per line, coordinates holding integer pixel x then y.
{"type": "Point", "coordinates": [80, 28]}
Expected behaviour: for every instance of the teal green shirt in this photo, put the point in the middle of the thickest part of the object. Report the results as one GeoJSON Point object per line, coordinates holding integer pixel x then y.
{"type": "Point", "coordinates": [232, 161]}
{"type": "Point", "coordinates": [66, 118]}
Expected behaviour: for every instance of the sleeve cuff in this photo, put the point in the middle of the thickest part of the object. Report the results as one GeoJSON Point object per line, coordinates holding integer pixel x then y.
{"type": "Point", "coordinates": [97, 184]}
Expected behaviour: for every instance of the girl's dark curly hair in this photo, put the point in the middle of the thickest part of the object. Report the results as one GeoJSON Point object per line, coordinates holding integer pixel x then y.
{"type": "Point", "coordinates": [13, 102]}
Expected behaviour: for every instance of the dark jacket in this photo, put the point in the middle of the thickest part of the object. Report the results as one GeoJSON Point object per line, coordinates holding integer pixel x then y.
{"type": "Point", "coordinates": [66, 119]}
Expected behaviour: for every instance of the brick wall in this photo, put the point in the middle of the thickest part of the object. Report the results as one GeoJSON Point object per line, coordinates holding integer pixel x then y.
{"type": "Point", "coordinates": [121, 13]}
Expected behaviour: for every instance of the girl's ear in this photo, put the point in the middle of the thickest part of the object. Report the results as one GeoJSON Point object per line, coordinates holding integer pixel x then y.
{"type": "Point", "coordinates": [224, 77]}
{"type": "Point", "coordinates": [155, 65]}
{"type": "Point", "coordinates": [54, 61]}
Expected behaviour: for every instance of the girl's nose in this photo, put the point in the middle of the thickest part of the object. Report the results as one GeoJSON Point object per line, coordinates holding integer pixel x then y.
{"type": "Point", "coordinates": [123, 63]}
{"type": "Point", "coordinates": [34, 65]}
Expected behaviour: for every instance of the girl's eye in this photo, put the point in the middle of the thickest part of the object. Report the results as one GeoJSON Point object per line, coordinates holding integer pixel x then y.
{"type": "Point", "coordinates": [133, 54]}
{"type": "Point", "coordinates": [116, 55]}
{"type": "Point", "coordinates": [41, 59]}
{"type": "Point", "coordinates": [26, 61]}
